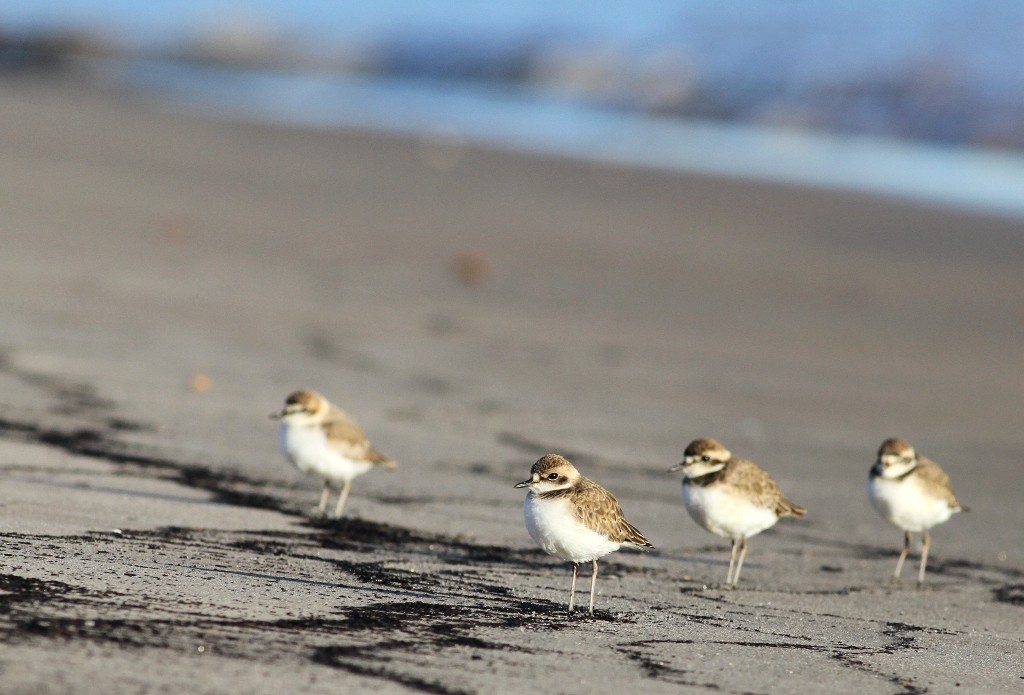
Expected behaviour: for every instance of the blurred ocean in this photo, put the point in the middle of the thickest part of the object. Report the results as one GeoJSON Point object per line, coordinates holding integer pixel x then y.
{"type": "Point", "coordinates": [919, 98]}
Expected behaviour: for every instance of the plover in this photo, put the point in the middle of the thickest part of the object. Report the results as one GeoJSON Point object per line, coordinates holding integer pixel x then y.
{"type": "Point", "coordinates": [911, 493]}
{"type": "Point", "coordinates": [319, 439]}
{"type": "Point", "coordinates": [730, 497]}
{"type": "Point", "coordinates": [574, 518]}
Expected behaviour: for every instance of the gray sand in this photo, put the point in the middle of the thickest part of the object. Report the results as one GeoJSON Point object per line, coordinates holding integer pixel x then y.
{"type": "Point", "coordinates": [153, 540]}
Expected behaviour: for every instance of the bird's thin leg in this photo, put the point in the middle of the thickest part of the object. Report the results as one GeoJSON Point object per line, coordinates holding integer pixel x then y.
{"type": "Point", "coordinates": [926, 541]}
{"type": "Point", "coordinates": [732, 564]}
{"type": "Point", "coordinates": [572, 587]}
{"type": "Point", "coordinates": [593, 585]}
{"type": "Point", "coordinates": [739, 563]}
{"type": "Point", "coordinates": [903, 555]}
{"type": "Point", "coordinates": [341, 498]}
{"type": "Point", "coordinates": [324, 495]}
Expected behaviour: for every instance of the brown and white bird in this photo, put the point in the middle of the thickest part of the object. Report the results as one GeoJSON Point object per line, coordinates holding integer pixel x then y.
{"type": "Point", "coordinates": [911, 493]}
{"type": "Point", "coordinates": [574, 518]}
{"type": "Point", "coordinates": [730, 497]}
{"type": "Point", "coordinates": [318, 438]}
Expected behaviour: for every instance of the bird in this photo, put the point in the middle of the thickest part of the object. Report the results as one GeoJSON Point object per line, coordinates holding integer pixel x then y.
{"type": "Point", "coordinates": [730, 497]}
{"type": "Point", "coordinates": [574, 518]}
{"type": "Point", "coordinates": [912, 493]}
{"type": "Point", "coordinates": [319, 439]}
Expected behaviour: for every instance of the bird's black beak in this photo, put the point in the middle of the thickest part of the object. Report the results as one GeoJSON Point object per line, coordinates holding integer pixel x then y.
{"type": "Point", "coordinates": [276, 416]}
{"type": "Point", "coordinates": [678, 467]}
{"type": "Point", "coordinates": [525, 483]}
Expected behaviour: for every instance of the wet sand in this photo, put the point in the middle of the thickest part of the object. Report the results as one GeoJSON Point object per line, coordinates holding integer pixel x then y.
{"type": "Point", "coordinates": [152, 539]}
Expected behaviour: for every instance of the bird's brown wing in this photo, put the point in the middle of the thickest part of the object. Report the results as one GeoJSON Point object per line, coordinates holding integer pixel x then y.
{"type": "Point", "coordinates": [749, 477]}
{"type": "Point", "coordinates": [346, 437]}
{"type": "Point", "coordinates": [934, 477]}
{"type": "Point", "coordinates": [598, 509]}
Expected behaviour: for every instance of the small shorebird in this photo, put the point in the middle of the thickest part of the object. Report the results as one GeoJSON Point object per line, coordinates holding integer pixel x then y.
{"type": "Point", "coordinates": [911, 493]}
{"type": "Point", "coordinates": [574, 518]}
{"type": "Point", "coordinates": [730, 497]}
{"type": "Point", "coordinates": [319, 439]}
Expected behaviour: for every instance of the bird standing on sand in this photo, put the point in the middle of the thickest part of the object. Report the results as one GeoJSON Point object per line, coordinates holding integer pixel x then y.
{"type": "Point", "coordinates": [574, 518]}
{"type": "Point", "coordinates": [318, 438]}
{"type": "Point", "coordinates": [911, 493]}
{"type": "Point", "coordinates": [730, 497]}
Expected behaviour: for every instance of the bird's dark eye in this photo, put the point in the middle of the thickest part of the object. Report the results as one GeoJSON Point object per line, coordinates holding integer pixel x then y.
{"type": "Point", "coordinates": [552, 476]}
{"type": "Point", "coordinates": [705, 458]}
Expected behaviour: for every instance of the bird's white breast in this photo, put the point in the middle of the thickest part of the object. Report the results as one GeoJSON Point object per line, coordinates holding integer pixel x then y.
{"type": "Point", "coordinates": [308, 450]}
{"type": "Point", "coordinates": [725, 513]}
{"type": "Point", "coordinates": [904, 504]}
{"type": "Point", "coordinates": [553, 525]}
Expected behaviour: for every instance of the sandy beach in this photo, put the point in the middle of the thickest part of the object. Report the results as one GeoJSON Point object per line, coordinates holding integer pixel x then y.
{"type": "Point", "coordinates": [167, 280]}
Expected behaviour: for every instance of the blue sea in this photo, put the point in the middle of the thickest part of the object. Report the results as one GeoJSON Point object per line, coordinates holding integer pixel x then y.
{"type": "Point", "coordinates": [918, 99]}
